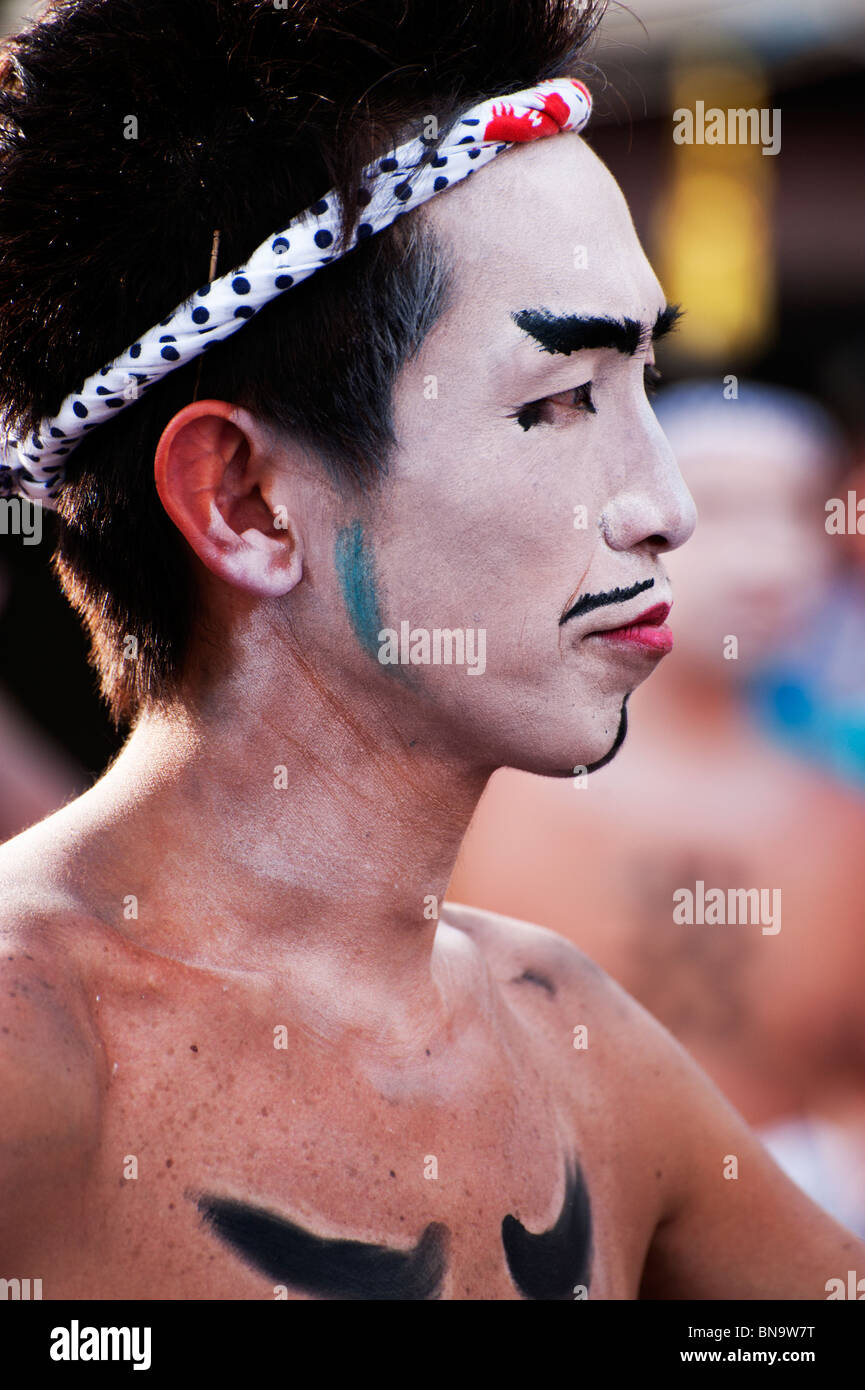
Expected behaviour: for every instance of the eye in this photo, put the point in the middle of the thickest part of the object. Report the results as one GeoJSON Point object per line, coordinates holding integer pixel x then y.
{"type": "Point", "coordinates": [652, 378]}
{"type": "Point", "coordinates": [577, 400]}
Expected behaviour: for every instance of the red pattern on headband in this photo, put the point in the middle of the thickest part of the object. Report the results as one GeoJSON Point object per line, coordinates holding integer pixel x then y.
{"type": "Point", "coordinates": [531, 125]}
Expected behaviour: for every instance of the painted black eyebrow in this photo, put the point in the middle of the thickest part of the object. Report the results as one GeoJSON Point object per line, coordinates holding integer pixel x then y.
{"type": "Point", "coordinates": [567, 333]}
{"type": "Point", "coordinates": [667, 321]}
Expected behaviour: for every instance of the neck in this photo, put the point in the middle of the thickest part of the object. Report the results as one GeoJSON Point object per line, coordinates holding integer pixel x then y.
{"type": "Point", "coordinates": [312, 838]}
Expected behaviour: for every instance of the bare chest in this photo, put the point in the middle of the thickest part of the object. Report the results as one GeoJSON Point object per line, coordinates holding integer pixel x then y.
{"type": "Point", "coordinates": [239, 1158]}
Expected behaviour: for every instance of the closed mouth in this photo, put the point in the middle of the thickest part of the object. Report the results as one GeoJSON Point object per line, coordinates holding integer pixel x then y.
{"type": "Point", "coordinates": [653, 617]}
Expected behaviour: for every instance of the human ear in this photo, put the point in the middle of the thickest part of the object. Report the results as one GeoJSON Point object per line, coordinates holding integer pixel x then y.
{"type": "Point", "coordinates": [210, 463]}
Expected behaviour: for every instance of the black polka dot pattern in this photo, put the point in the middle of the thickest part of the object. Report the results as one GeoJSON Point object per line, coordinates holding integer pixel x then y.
{"type": "Point", "coordinates": [392, 186]}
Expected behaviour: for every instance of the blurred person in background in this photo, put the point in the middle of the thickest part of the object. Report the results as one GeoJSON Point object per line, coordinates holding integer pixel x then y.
{"type": "Point", "coordinates": [772, 1010]}
{"type": "Point", "coordinates": [811, 695]}
{"type": "Point", "coordinates": [36, 777]}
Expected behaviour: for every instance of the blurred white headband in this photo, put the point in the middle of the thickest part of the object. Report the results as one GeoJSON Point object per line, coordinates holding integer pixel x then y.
{"type": "Point", "coordinates": [35, 467]}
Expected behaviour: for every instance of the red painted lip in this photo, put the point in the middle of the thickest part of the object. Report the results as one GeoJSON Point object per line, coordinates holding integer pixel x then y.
{"type": "Point", "coordinates": [646, 632]}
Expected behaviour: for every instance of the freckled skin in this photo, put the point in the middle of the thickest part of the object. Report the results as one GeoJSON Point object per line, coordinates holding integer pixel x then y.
{"type": "Point", "coordinates": [288, 825]}
{"type": "Point", "coordinates": [289, 1130]}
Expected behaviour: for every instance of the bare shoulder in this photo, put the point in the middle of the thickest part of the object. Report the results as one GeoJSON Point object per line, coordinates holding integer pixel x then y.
{"type": "Point", "coordinates": [519, 952]}
{"type": "Point", "coordinates": [51, 1066]}
{"type": "Point", "coordinates": [626, 1040]}
{"type": "Point", "coordinates": [634, 1068]}
{"type": "Point", "coordinates": [727, 1222]}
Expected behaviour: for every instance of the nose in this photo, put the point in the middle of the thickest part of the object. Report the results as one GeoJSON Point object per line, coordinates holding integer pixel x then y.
{"type": "Point", "coordinates": [653, 508]}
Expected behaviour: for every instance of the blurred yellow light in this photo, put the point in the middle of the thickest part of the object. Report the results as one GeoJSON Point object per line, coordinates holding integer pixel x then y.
{"type": "Point", "coordinates": [713, 224]}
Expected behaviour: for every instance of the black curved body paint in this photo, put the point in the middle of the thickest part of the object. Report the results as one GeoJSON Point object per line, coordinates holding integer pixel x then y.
{"type": "Point", "coordinates": [621, 735]}
{"type": "Point", "coordinates": [534, 977]}
{"type": "Point", "coordinates": [550, 1264]}
{"type": "Point", "coordinates": [335, 1269]}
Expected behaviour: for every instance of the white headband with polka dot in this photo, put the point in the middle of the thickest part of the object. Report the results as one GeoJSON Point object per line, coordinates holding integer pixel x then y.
{"type": "Point", "coordinates": [35, 467]}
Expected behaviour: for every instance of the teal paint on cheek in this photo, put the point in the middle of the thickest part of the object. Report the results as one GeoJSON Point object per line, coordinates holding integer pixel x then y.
{"type": "Point", "coordinates": [356, 573]}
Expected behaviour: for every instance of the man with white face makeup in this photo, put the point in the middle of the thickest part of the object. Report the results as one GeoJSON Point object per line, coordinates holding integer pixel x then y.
{"type": "Point", "coordinates": [249, 1053]}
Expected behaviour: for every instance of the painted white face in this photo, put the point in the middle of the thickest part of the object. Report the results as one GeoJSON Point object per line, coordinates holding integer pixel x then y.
{"type": "Point", "coordinates": [526, 478]}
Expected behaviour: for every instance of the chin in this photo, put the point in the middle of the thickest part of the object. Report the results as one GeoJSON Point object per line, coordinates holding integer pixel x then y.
{"type": "Point", "coordinates": [595, 750]}
{"type": "Point", "coordinates": [612, 745]}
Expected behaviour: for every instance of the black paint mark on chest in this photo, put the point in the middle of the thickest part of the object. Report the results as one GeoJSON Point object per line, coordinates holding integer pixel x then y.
{"type": "Point", "coordinates": [534, 977]}
{"type": "Point", "coordinates": [336, 1269]}
{"type": "Point", "coordinates": [550, 1264]}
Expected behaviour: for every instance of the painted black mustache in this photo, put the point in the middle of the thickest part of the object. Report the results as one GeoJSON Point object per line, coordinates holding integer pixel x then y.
{"type": "Point", "coordinates": [590, 601]}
